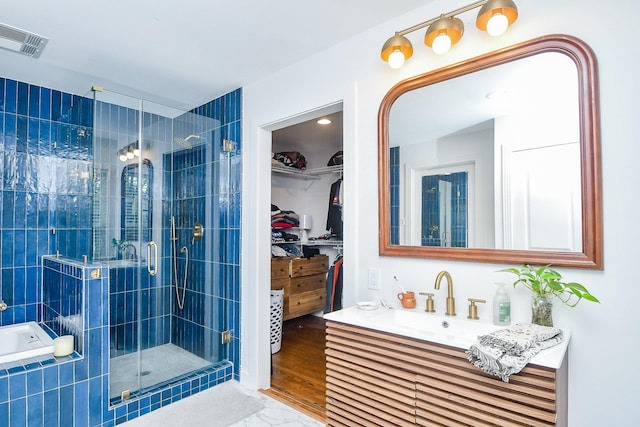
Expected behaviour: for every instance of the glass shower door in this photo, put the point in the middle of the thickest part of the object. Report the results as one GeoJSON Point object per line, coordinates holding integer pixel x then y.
{"type": "Point", "coordinates": [157, 177]}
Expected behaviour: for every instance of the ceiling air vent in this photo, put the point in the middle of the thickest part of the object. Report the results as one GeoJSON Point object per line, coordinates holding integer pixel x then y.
{"type": "Point", "coordinates": [21, 41]}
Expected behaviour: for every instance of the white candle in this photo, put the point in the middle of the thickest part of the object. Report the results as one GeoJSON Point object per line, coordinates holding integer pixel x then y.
{"type": "Point", "coordinates": [63, 346]}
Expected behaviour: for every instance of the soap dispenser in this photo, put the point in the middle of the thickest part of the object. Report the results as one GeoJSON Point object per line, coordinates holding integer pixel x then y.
{"type": "Point", "coordinates": [501, 307]}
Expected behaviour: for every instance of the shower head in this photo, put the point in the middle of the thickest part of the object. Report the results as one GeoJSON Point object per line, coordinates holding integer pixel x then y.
{"type": "Point", "coordinates": [185, 141]}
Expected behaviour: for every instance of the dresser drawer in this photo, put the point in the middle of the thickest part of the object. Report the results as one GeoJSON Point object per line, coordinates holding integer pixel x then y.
{"type": "Point", "coordinates": [280, 268]}
{"type": "Point", "coordinates": [306, 302]}
{"type": "Point", "coordinates": [308, 266]}
{"type": "Point", "coordinates": [307, 283]}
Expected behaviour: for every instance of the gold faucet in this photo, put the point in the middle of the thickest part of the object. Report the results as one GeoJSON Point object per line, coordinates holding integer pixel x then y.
{"type": "Point", "coordinates": [451, 302]}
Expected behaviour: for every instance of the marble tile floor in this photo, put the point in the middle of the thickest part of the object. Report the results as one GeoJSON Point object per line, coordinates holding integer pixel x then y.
{"type": "Point", "coordinates": [268, 412]}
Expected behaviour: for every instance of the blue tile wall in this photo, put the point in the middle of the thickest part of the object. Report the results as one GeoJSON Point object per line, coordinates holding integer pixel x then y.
{"type": "Point", "coordinates": [47, 391]}
{"type": "Point", "coordinates": [63, 299]}
{"type": "Point", "coordinates": [394, 196]}
{"type": "Point", "coordinates": [204, 185]}
{"type": "Point", "coordinates": [431, 210]}
{"type": "Point", "coordinates": [45, 158]}
{"type": "Point", "coordinates": [155, 311]}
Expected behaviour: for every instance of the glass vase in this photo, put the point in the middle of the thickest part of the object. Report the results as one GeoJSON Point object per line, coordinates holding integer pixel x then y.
{"type": "Point", "coordinates": [541, 307]}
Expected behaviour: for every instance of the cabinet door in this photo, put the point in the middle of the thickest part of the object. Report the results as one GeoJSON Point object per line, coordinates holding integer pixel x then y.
{"type": "Point", "coordinates": [365, 387]}
{"type": "Point", "coordinates": [452, 394]}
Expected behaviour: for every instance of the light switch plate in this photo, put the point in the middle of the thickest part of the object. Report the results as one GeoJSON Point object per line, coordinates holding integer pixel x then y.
{"type": "Point", "coordinates": [374, 278]}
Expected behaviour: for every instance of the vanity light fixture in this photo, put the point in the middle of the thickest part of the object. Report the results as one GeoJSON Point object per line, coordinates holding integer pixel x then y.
{"type": "Point", "coordinates": [128, 152]}
{"type": "Point", "coordinates": [396, 50]}
{"type": "Point", "coordinates": [443, 34]}
{"type": "Point", "coordinates": [494, 17]}
{"type": "Point", "coordinates": [122, 155]}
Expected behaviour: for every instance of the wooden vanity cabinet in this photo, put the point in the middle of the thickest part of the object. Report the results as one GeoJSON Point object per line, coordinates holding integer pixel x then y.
{"type": "Point", "coordinates": [304, 284]}
{"type": "Point", "coordinates": [380, 379]}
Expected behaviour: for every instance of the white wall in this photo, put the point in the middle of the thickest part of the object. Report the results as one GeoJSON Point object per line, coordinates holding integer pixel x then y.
{"type": "Point", "coordinates": [603, 377]}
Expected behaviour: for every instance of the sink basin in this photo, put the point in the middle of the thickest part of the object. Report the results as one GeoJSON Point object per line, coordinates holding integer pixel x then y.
{"type": "Point", "coordinates": [455, 331]}
{"type": "Point", "coordinates": [452, 329]}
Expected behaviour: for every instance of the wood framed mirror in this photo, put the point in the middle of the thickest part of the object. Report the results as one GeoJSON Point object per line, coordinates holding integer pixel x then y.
{"type": "Point", "coordinates": [465, 176]}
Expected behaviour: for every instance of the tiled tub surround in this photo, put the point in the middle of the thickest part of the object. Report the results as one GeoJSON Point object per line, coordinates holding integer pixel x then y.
{"type": "Point", "coordinates": [65, 391]}
{"type": "Point", "coordinates": [63, 301]}
{"type": "Point", "coordinates": [45, 136]}
{"type": "Point", "coordinates": [73, 390]}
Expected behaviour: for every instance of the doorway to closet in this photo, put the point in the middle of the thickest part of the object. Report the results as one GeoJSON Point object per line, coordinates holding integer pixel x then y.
{"type": "Point", "coordinates": [307, 242]}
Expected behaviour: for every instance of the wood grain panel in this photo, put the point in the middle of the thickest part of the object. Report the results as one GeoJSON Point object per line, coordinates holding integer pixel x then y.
{"type": "Point", "coordinates": [305, 303]}
{"type": "Point", "coordinates": [375, 373]}
{"type": "Point", "coordinates": [280, 268]}
{"type": "Point", "coordinates": [309, 266]}
{"type": "Point", "coordinates": [378, 411]}
{"type": "Point", "coordinates": [307, 283]}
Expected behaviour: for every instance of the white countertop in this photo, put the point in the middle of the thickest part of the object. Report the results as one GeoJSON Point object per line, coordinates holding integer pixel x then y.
{"type": "Point", "coordinates": [460, 332]}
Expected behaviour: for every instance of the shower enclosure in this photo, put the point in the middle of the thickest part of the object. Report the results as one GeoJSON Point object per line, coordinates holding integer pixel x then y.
{"type": "Point", "coordinates": [156, 173]}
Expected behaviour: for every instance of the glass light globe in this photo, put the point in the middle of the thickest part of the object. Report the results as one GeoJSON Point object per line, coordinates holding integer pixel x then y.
{"type": "Point", "coordinates": [396, 59]}
{"type": "Point", "coordinates": [441, 44]}
{"type": "Point", "coordinates": [497, 24]}
{"type": "Point", "coordinates": [136, 152]}
{"type": "Point", "coordinates": [130, 155]}
{"type": "Point", "coordinates": [122, 157]}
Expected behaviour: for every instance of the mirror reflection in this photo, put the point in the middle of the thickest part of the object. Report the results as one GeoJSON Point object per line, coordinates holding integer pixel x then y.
{"type": "Point", "coordinates": [132, 218]}
{"type": "Point", "coordinates": [490, 159]}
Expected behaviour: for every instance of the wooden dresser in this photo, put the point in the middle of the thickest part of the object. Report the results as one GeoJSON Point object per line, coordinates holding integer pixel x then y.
{"type": "Point", "coordinates": [303, 281]}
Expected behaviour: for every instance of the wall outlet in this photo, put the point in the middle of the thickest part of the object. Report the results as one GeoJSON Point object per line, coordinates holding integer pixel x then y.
{"type": "Point", "coordinates": [374, 278]}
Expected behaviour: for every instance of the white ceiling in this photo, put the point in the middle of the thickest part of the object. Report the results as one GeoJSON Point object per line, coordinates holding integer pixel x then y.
{"type": "Point", "coordinates": [180, 53]}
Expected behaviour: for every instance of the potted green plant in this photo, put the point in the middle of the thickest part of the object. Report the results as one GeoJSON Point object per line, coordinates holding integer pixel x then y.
{"type": "Point", "coordinates": [546, 283]}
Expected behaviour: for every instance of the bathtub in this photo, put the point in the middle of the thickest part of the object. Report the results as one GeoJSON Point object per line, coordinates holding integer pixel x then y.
{"type": "Point", "coordinates": [22, 341]}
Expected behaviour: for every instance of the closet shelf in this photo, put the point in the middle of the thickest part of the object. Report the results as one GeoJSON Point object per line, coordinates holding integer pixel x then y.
{"type": "Point", "coordinates": [311, 174]}
{"type": "Point", "coordinates": [336, 243]}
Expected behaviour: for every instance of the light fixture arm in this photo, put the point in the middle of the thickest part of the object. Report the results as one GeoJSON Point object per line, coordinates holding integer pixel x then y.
{"type": "Point", "coordinates": [451, 14]}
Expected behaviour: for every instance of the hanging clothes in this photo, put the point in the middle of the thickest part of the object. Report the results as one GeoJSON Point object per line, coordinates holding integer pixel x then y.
{"type": "Point", "coordinates": [334, 215]}
{"type": "Point", "coordinates": [334, 286]}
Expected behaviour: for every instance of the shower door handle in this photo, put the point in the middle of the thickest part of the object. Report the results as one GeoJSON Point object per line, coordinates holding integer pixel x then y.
{"type": "Point", "coordinates": [152, 270]}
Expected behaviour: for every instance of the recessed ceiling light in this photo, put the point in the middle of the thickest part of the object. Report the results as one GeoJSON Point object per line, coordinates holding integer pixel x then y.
{"type": "Point", "coordinates": [324, 121]}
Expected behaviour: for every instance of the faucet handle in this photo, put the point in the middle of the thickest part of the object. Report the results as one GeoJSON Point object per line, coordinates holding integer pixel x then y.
{"type": "Point", "coordinates": [430, 308]}
{"type": "Point", "coordinates": [473, 309]}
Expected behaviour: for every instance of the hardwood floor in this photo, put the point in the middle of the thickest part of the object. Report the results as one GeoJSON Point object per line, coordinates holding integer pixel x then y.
{"type": "Point", "coordinates": [299, 368]}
